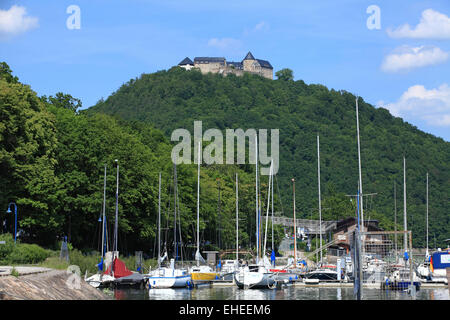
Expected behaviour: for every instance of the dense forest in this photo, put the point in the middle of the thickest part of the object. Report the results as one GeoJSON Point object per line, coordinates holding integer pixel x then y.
{"type": "Point", "coordinates": [175, 98]}
{"type": "Point", "coordinates": [52, 158]}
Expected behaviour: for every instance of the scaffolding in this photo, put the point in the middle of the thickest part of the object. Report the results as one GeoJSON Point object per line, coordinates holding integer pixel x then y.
{"type": "Point", "coordinates": [383, 261]}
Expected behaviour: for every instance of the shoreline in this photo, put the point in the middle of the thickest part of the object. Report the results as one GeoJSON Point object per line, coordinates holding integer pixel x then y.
{"type": "Point", "coordinates": [37, 283]}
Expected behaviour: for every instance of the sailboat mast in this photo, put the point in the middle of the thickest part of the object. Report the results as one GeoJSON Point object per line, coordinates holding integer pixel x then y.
{"type": "Point", "coordinates": [116, 222]}
{"type": "Point", "coordinates": [198, 202]}
{"type": "Point", "coordinates": [257, 209]}
{"type": "Point", "coordinates": [104, 219]}
{"type": "Point", "coordinates": [405, 224]}
{"type": "Point", "coordinates": [237, 219]}
{"type": "Point", "coordinates": [268, 206]}
{"type": "Point", "coordinates": [359, 167]}
{"type": "Point", "coordinates": [295, 226]}
{"type": "Point", "coordinates": [273, 247]}
{"type": "Point", "coordinates": [175, 248]}
{"type": "Point", "coordinates": [395, 219]}
{"type": "Point", "coordinates": [320, 205]}
{"type": "Point", "coordinates": [159, 222]}
{"type": "Point", "coordinates": [427, 216]}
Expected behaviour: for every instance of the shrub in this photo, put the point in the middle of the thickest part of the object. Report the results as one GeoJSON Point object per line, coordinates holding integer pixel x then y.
{"type": "Point", "coordinates": [84, 262]}
{"type": "Point", "coordinates": [14, 272]}
{"type": "Point", "coordinates": [7, 248]}
{"type": "Point", "coordinates": [27, 254]}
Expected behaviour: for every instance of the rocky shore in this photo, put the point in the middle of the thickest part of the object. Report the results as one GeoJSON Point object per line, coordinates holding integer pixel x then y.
{"type": "Point", "coordinates": [47, 284]}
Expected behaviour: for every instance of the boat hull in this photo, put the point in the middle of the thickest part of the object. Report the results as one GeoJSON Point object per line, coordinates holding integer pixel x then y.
{"type": "Point", "coordinates": [321, 276]}
{"type": "Point", "coordinates": [254, 280]}
{"type": "Point", "coordinates": [169, 282]}
{"type": "Point", "coordinates": [100, 280]}
{"type": "Point", "coordinates": [400, 285]}
{"type": "Point", "coordinates": [201, 277]}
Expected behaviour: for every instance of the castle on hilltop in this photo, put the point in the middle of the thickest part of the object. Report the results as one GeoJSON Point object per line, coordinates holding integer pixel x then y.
{"type": "Point", "coordinates": [221, 66]}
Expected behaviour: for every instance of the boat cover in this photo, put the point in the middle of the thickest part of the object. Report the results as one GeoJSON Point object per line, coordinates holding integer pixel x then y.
{"type": "Point", "coordinates": [120, 270]}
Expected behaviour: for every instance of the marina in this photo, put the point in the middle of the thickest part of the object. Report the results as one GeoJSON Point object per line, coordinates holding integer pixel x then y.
{"type": "Point", "coordinates": [225, 151]}
{"type": "Point", "coordinates": [286, 293]}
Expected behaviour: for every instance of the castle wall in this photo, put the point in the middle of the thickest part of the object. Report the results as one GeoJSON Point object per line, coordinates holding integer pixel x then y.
{"type": "Point", "coordinates": [237, 72]}
{"type": "Point", "coordinates": [187, 67]}
{"type": "Point", "coordinates": [213, 67]}
{"type": "Point", "coordinates": [267, 73]}
{"type": "Point", "coordinates": [248, 65]}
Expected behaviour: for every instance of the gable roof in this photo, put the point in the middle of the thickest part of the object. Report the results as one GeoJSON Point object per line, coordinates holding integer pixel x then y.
{"type": "Point", "coordinates": [249, 56]}
{"type": "Point", "coordinates": [264, 63]}
{"type": "Point", "coordinates": [186, 61]}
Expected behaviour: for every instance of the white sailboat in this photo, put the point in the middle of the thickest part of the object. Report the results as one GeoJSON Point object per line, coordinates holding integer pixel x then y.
{"type": "Point", "coordinates": [200, 273]}
{"type": "Point", "coordinates": [230, 267]}
{"type": "Point", "coordinates": [256, 276]}
{"type": "Point", "coordinates": [166, 277]}
{"type": "Point", "coordinates": [423, 270]}
{"type": "Point", "coordinates": [100, 279]}
{"type": "Point", "coordinates": [433, 269]}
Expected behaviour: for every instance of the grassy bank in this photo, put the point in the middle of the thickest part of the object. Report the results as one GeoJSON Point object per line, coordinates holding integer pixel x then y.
{"type": "Point", "coordinates": [31, 254]}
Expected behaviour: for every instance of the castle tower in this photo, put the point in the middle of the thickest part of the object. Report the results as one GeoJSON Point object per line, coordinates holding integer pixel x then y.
{"type": "Point", "coordinates": [258, 66]}
{"type": "Point", "coordinates": [186, 64]}
{"type": "Point", "coordinates": [250, 63]}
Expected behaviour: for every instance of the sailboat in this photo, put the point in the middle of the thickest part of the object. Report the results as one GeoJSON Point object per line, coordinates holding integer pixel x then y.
{"type": "Point", "coordinates": [117, 268]}
{"type": "Point", "coordinates": [166, 277]}
{"type": "Point", "coordinates": [200, 273]}
{"type": "Point", "coordinates": [99, 279]}
{"type": "Point", "coordinates": [325, 273]}
{"type": "Point", "coordinates": [423, 270]}
{"type": "Point", "coordinates": [256, 276]}
{"type": "Point", "coordinates": [230, 267]}
{"type": "Point", "coordinates": [433, 269]}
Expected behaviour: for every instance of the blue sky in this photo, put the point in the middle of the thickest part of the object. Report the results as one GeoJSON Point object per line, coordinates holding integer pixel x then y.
{"type": "Point", "coordinates": [404, 65]}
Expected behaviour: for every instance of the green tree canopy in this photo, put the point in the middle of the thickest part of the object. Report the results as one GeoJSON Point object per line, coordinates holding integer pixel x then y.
{"type": "Point", "coordinates": [285, 74]}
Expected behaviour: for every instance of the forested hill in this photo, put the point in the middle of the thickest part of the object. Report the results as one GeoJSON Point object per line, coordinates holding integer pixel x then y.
{"type": "Point", "coordinates": [176, 98]}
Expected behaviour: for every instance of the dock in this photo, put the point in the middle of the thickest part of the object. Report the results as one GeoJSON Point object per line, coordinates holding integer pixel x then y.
{"type": "Point", "coordinates": [22, 271]}
{"type": "Point", "coordinates": [223, 283]}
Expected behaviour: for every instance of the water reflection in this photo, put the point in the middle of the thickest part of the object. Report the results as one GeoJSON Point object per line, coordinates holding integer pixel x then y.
{"type": "Point", "coordinates": [170, 294]}
{"type": "Point", "coordinates": [285, 293]}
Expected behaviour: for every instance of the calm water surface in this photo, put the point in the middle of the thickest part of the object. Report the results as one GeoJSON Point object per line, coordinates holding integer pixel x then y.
{"type": "Point", "coordinates": [287, 293]}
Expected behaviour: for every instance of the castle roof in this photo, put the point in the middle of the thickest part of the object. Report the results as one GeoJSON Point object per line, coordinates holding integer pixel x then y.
{"type": "Point", "coordinates": [249, 56]}
{"type": "Point", "coordinates": [237, 65]}
{"type": "Point", "coordinates": [264, 63]}
{"type": "Point", "coordinates": [209, 59]}
{"type": "Point", "coordinates": [186, 61]}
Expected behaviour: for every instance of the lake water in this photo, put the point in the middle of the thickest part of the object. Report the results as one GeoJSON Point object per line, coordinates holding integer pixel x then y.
{"type": "Point", "coordinates": [286, 293]}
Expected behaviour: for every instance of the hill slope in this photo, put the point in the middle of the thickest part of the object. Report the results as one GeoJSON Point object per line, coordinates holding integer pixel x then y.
{"type": "Point", "coordinates": [176, 98]}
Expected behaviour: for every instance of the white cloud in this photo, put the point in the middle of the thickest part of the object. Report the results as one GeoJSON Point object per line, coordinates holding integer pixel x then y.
{"type": "Point", "coordinates": [407, 58]}
{"type": "Point", "coordinates": [418, 103]}
{"type": "Point", "coordinates": [15, 21]}
{"type": "Point", "coordinates": [432, 25]}
{"type": "Point", "coordinates": [261, 26]}
{"type": "Point", "coordinates": [224, 43]}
